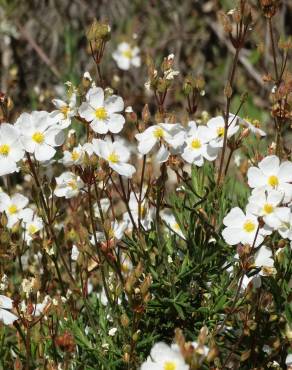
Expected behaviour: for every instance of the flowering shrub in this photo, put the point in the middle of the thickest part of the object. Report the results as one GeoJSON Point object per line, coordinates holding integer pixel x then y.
{"type": "Point", "coordinates": [135, 240]}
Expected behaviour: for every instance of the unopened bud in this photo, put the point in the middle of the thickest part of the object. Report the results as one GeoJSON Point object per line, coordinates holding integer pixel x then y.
{"type": "Point", "coordinates": [228, 90]}
{"type": "Point", "coordinates": [146, 116]}
{"type": "Point", "coordinates": [125, 320]}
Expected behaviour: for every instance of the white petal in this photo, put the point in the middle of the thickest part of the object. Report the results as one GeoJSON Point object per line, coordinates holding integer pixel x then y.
{"type": "Point", "coordinates": [270, 165]}
{"type": "Point", "coordinates": [7, 317]}
{"type": "Point", "coordinates": [54, 137]}
{"type": "Point", "coordinates": [86, 112]}
{"type": "Point", "coordinates": [7, 166]}
{"type": "Point", "coordinates": [44, 152]}
{"type": "Point", "coordinates": [232, 236]}
{"type": "Point", "coordinates": [99, 126]}
{"type": "Point", "coordinates": [285, 172]}
{"type": "Point", "coordinates": [95, 96]}
{"type": "Point", "coordinates": [121, 151]}
{"type": "Point", "coordinates": [255, 177]}
{"type": "Point", "coordinates": [162, 154]}
{"type": "Point", "coordinates": [5, 302]}
{"type": "Point", "coordinates": [115, 123]}
{"type": "Point", "coordinates": [124, 169]}
{"type": "Point", "coordinates": [114, 104]}
{"type": "Point", "coordinates": [19, 200]}
{"type": "Point", "coordinates": [234, 218]}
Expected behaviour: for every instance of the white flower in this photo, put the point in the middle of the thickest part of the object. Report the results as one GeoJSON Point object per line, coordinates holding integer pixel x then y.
{"type": "Point", "coordinates": [41, 308]}
{"type": "Point", "coordinates": [68, 185]}
{"type": "Point", "coordinates": [65, 111]}
{"type": "Point", "coordinates": [265, 204]}
{"type": "Point", "coordinates": [32, 224]}
{"type": "Point", "coordinates": [5, 316]}
{"type": "Point", "coordinates": [169, 74]}
{"type": "Point", "coordinates": [146, 212]}
{"type": "Point", "coordinates": [74, 253]}
{"type": "Point", "coordinates": [11, 149]}
{"type": "Point", "coordinates": [264, 260]}
{"type": "Point", "coordinates": [129, 109]}
{"type": "Point", "coordinates": [112, 332]}
{"type": "Point", "coordinates": [285, 228]}
{"type": "Point", "coordinates": [171, 222]}
{"type": "Point", "coordinates": [270, 174]}
{"type": "Point", "coordinates": [241, 228]}
{"type": "Point", "coordinates": [39, 135]}
{"type": "Point", "coordinates": [102, 113]}
{"type": "Point", "coordinates": [197, 147]}
{"type": "Point", "coordinates": [126, 56]}
{"type": "Point", "coordinates": [87, 76]}
{"type": "Point", "coordinates": [126, 264]}
{"type": "Point", "coordinates": [252, 281]}
{"type": "Point", "coordinates": [75, 157]}
{"type": "Point", "coordinates": [116, 232]}
{"type": "Point", "coordinates": [168, 134]}
{"type": "Point", "coordinates": [105, 204]}
{"type": "Point", "coordinates": [217, 127]}
{"type": "Point", "coordinates": [162, 357]}
{"type": "Point", "coordinates": [13, 207]}
{"type": "Point", "coordinates": [116, 154]}
{"type": "Point", "coordinates": [237, 159]}
{"type": "Point", "coordinates": [288, 360]}
{"type": "Point", "coordinates": [252, 127]}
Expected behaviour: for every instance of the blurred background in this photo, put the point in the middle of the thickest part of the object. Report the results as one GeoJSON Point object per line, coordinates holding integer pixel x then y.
{"type": "Point", "coordinates": [43, 44]}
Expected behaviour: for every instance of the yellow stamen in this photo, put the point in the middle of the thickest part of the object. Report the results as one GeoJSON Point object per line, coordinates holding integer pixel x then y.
{"type": "Point", "coordinates": [72, 184]}
{"type": "Point", "coordinates": [158, 133]}
{"type": "Point", "coordinates": [12, 209]}
{"type": "Point", "coordinates": [128, 54]}
{"type": "Point", "coordinates": [111, 233]}
{"type": "Point", "coordinates": [249, 226]}
{"type": "Point", "coordinates": [169, 365]}
{"type": "Point", "coordinates": [101, 113]}
{"type": "Point", "coordinates": [32, 229]}
{"type": "Point", "coordinates": [38, 137]}
{"type": "Point", "coordinates": [125, 268]}
{"type": "Point", "coordinates": [268, 208]}
{"type": "Point", "coordinates": [176, 227]}
{"type": "Point", "coordinates": [196, 144]}
{"type": "Point", "coordinates": [113, 158]}
{"type": "Point", "coordinates": [4, 150]}
{"type": "Point", "coordinates": [65, 110]}
{"type": "Point", "coordinates": [273, 181]}
{"type": "Point", "coordinates": [75, 155]}
{"type": "Point", "coordinates": [220, 131]}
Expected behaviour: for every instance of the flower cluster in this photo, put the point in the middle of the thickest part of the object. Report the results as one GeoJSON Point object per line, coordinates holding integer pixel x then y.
{"type": "Point", "coordinates": [268, 211]}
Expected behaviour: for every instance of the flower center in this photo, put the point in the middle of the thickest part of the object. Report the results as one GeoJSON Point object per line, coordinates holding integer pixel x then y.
{"type": "Point", "coordinates": [111, 233]}
{"type": "Point", "coordinates": [273, 181]}
{"type": "Point", "coordinates": [169, 365]}
{"type": "Point", "coordinates": [113, 158]}
{"type": "Point", "coordinates": [125, 267]}
{"type": "Point", "coordinates": [249, 226]}
{"type": "Point", "coordinates": [32, 229]}
{"type": "Point", "coordinates": [128, 54]}
{"type": "Point", "coordinates": [4, 150]}
{"type": "Point", "coordinates": [176, 227]}
{"type": "Point", "coordinates": [12, 209]}
{"type": "Point", "coordinates": [101, 113]}
{"type": "Point", "coordinates": [75, 155]}
{"type": "Point", "coordinates": [268, 208]}
{"type": "Point", "coordinates": [72, 184]}
{"type": "Point", "coordinates": [38, 137]}
{"type": "Point", "coordinates": [220, 131]}
{"type": "Point", "coordinates": [158, 133]}
{"type": "Point", "coordinates": [196, 144]}
{"type": "Point", "coordinates": [65, 110]}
